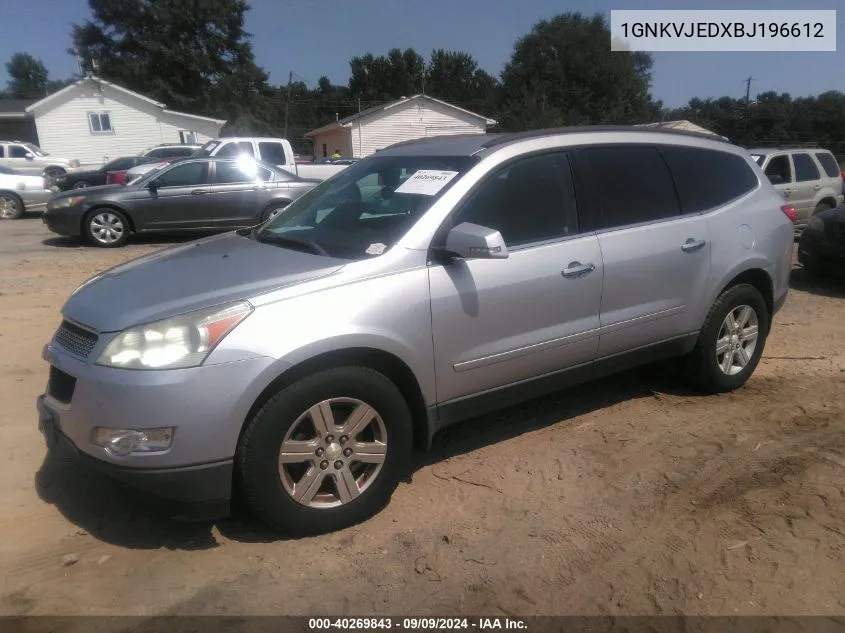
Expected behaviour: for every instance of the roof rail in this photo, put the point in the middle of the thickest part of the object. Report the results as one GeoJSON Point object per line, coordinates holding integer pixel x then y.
{"type": "Point", "coordinates": [504, 139]}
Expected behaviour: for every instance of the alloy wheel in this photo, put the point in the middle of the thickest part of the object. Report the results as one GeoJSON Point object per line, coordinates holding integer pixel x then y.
{"type": "Point", "coordinates": [737, 340]}
{"type": "Point", "coordinates": [106, 227]}
{"type": "Point", "coordinates": [8, 207]}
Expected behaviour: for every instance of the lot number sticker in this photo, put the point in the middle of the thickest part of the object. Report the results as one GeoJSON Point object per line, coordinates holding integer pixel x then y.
{"type": "Point", "coordinates": [426, 182]}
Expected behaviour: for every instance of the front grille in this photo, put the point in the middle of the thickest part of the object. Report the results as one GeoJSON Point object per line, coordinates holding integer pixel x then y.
{"type": "Point", "coordinates": [75, 339]}
{"type": "Point", "coordinates": [60, 385]}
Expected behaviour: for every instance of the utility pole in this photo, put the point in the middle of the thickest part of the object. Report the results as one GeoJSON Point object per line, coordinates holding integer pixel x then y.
{"type": "Point", "coordinates": [287, 105]}
{"type": "Point", "coordinates": [747, 106]}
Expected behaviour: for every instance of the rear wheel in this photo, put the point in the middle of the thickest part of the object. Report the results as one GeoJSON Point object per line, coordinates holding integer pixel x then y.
{"type": "Point", "coordinates": [106, 228]}
{"type": "Point", "coordinates": [11, 206]}
{"type": "Point", "coordinates": [325, 452]}
{"type": "Point", "coordinates": [823, 206]}
{"type": "Point", "coordinates": [732, 340]}
{"type": "Point", "coordinates": [82, 184]}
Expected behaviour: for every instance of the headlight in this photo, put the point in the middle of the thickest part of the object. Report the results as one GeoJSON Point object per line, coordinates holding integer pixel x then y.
{"type": "Point", "coordinates": [175, 343]}
{"type": "Point", "coordinates": [815, 224]}
{"type": "Point", "coordinates": [70, 201]}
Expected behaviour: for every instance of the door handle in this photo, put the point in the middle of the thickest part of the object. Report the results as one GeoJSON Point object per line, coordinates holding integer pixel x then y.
{"type": "Point", "coordinates": [576, 269]}
{"type": "Point", "coordinates": [692, 245]}
{"type": "Point", "coordinates": [816, 187]}
{"type": "Point", "coordinates": [199, 192]}
{"type": "Point", "coordinates": [786, 192]}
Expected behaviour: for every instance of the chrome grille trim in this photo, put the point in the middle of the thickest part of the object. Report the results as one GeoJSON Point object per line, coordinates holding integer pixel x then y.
{"type": "Point", "coordinates": [75, 339]}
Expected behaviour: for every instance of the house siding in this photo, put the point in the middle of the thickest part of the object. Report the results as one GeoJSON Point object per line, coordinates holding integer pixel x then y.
{"type": "Point", "coordinates": [64, 131]}
{"type": "Point", "coordinates": [416, 119]}
{"type": "Point", "coordinates": [333, 139]}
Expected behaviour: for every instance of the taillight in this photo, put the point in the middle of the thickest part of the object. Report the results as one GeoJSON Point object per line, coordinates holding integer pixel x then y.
{"type": "Point", "coordinates": [790, 212]}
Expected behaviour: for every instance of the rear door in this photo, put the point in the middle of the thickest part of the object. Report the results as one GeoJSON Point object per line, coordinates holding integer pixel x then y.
{"type": "Point", "coordinates": [656, 260]}
{"type": "Point", "coordinates": [16, 158]}
{"type": "Point", "coordinates": [237, 190]}
{"type": "Point", "coordinates": [180, 201]}
{"type": "Point", "coordinates": [808, 184]}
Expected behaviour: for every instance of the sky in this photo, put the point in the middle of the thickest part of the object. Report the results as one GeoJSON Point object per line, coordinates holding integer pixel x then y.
{"type": "Point", "coordinates": [314, 38]}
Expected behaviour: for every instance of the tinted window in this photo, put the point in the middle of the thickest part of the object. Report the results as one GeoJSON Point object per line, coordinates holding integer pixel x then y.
{"type": "Point", "coordinates": [828, 163]}
{"type": "Point", "coordinates": [529, 201]}
{"type": "Point", "coordinates": [17, 151]}
{"type": "Point", "coordinates": [2, 151]}
{"type": "Point", "coordinates": [805, 168]}
{"type": "Point", "coordinates": [227, 172]}
{"type": "Point", "coordinates": [187, 175]}
{"type": "Point", "coordinates": [273, 153]}
{"type": "Point", "coordinates": [779, 166]}
{"type": "Point", "coordinates": [707, 178]}
{"type": "Point", "coordinates": [633, 184]}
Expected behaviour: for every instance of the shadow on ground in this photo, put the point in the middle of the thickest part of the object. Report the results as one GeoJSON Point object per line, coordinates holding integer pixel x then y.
{"type": "Point", "coordinates": [116, 514]}
{"type": "Point", "coordinates": [818, 284]}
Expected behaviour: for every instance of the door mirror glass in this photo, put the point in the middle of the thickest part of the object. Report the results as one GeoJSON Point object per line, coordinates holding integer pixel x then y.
{"type": "Point", "coordinates": [775, 179]}
{"type": "Point", "coordinates": [153, 184]}
{"type": "Point", "coordinates": [473, 241]}
{"type": "Point", "coordinates": [29, 156]}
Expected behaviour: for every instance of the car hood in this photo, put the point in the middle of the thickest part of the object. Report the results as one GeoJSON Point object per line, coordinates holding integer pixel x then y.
{"type": "Point", "coordinates": [188, 277]}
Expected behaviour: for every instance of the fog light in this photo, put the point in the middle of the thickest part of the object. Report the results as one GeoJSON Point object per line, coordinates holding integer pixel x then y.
{"type": "Point", "coordinates": [122, 442]}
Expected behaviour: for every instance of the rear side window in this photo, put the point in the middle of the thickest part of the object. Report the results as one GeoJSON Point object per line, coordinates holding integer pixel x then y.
{"type": "Point", "coordinates": [273, 153]}
{"type": "Point", "coordinates": [828, 163]}
{"type": "Point", "coordinates": [805, 168]}
{"type": "Point", "coordinates": [707, 178]}
{"type": "Point", "coordinates": [633, 184]}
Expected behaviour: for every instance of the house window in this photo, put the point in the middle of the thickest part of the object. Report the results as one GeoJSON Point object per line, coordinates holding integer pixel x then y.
{"type": "Point", "coordinates": [324, 151]}
{"type": "Point", "coordinates": [187, 137]}
{"type": "Point", "coordinates": [100, 123]}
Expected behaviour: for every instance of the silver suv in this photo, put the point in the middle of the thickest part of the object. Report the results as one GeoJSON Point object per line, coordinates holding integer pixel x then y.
{"type": "Point", "coordinates": [808, 178]}
{"type": "Point", "coordinates": [434, 281]}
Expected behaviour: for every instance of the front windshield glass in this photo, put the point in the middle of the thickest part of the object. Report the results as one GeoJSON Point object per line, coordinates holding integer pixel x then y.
{"type": "Point", "coordinates": [35, 149]}
{"type": "Point", "coordinates": [365, 209]}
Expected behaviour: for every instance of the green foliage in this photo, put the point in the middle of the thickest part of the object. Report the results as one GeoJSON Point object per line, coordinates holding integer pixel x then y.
{"type": "Point", "coordinates": [28, 77]}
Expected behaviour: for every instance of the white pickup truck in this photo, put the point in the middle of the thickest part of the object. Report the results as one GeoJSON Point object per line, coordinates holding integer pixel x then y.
{"type": "Point", "coordinates": [275, 151]}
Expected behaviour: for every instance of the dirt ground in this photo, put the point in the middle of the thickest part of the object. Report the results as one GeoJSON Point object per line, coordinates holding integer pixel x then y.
{"type": "Point", "coordinates": [627, 496]}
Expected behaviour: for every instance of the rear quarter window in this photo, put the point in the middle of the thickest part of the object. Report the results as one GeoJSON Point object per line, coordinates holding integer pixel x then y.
{"type": "Point", "coordinates": [805, 168]}
{"type": "Point", "coordinates": [706, 178]}
{"type": "Point", "coordinates": [829, 164]}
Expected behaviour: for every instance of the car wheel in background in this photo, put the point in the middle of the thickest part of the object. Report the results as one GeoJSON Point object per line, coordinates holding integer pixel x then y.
{"type": "Point", "coordinates": [53, 173]}
{"type": "Point", "coordinates": [272, 212]}
{"type": "Point", "coordinates": [82, 184]}
{"type": "Point", "coordinates": [325, 452]}
{"type": "Point", "coordinates": [823, 206]}
{"type": "Point", "coordinates": [732, 340]}
{"type": "Point", "coordinates": [11, 206]}
{"type": "Point", "coordinates": [107, 228]}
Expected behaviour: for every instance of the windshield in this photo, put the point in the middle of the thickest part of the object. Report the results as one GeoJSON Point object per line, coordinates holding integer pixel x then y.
{"type": "Point", "coordinates": [365, 209]}
{"type": "Point", "coordinates": [206, 149]}
{"type": "Point", "coordinates": [35, 149]}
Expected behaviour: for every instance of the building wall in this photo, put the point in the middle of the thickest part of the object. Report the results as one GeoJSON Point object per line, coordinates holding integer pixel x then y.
{"type": "Point", "coordinates": [409, 121]}
{"type": "Point", "coordinates": [64, 130]}
{"type": "Point", "coordinates": [333, 139]}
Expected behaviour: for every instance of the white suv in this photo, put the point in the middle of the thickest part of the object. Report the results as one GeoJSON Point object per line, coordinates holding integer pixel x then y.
{"type": "Point", "coordinates": [31, 160]}
{"type": "Point", "coordinates": [808, 178]}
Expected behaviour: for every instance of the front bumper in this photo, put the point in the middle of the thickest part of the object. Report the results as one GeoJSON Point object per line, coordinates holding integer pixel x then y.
{"type": "Point", "coordinates": [63, 221]}
{"type": "Point", "coordinates": [206, 405]}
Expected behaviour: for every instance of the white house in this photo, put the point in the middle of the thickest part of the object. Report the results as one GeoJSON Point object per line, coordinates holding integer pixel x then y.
{"type": "Point", "coordinates": [93, 120]}
{"type": "Point", "coordinates": [408, 118]}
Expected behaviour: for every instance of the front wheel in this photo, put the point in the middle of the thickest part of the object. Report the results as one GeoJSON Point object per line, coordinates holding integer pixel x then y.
{"type": "Point", "coordinates": [106, 228]}
{"type": "Point", "coordinates": [732, 340]}
{"type": "Point", "coordinates": [11, 207]}
{"type": "Point", "coordinates": [325, 452]}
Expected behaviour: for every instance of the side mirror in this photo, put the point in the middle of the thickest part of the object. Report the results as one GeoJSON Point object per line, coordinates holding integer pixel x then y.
{"type": "Point", "coordinates": [29, 156]}
{"type": "Point", "coordinates": [473, 241]}
{"type": "Point", "coordinates": [775, 179]}
{"type": "Point", "coordinates": [153, 185]}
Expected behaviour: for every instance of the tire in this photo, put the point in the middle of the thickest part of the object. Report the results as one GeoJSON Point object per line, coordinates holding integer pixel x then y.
{"type": "Point", "coordinates": [82, 184]}
{"type": "Point", "coordinates": [51, 173]}
{"type": "Point", "coordinates": [823, 206]}
{"type": "Point", "coordinates": [706, 364]}
{"type": "Point", "coordinates": [106, 228]}
{"type": "Point", "coordinates": [270, 486]}
{"type": "Point", "coordinates": [11, 206]}
{"type": "Point", "coordinates": [273, 211]}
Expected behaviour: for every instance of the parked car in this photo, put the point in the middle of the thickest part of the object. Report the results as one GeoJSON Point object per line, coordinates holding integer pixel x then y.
{"type": "Point", "coordinates": [431, 282]}
{"type": "Point", "coordinates": [193, 194]}
{"type": "Point", "coordinates": [29, 159]}
{"type": "Point", "coordinates": [172, 150]}
{"type": "Point", "coordinates": [808, 178]}
{"type": "Point", "coordinates": [20, 193]}
{"type": "Point", "coordinates": [97, 177]}
{"type": "Point", "coordinates": [276, 151]}
{"type": "Point", "coordinates": [821, 249]}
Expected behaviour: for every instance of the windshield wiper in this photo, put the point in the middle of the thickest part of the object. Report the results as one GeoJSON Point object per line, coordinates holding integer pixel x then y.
{"type": "Point", "coordinates": [287, 240]}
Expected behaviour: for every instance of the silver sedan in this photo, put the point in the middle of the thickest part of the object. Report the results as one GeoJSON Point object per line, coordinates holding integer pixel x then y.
{"type": "Point", "coordinates": [20, 193]}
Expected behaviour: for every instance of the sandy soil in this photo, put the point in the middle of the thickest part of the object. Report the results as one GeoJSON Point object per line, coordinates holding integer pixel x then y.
{"type": "Point", "coordinates": [628, 496]}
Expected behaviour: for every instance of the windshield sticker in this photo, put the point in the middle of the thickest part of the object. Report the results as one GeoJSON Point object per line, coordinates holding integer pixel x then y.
{"type": "Point", "coordinates": [426, 182]}
{"type": "Point", "coordinates": [376, 249]}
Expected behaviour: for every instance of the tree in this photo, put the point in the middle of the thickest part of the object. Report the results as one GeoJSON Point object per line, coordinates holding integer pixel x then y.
{"type": "Point", "coordinates": [564, 73]}
{"type": "Point", "coordinates": [192, 55]}
{"type": "Point", "coordinates": [28, 77]}
{"type": "Point", "coordinates": [385, 78]}
{"type": "Point", "coordinates": [455, 77]}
